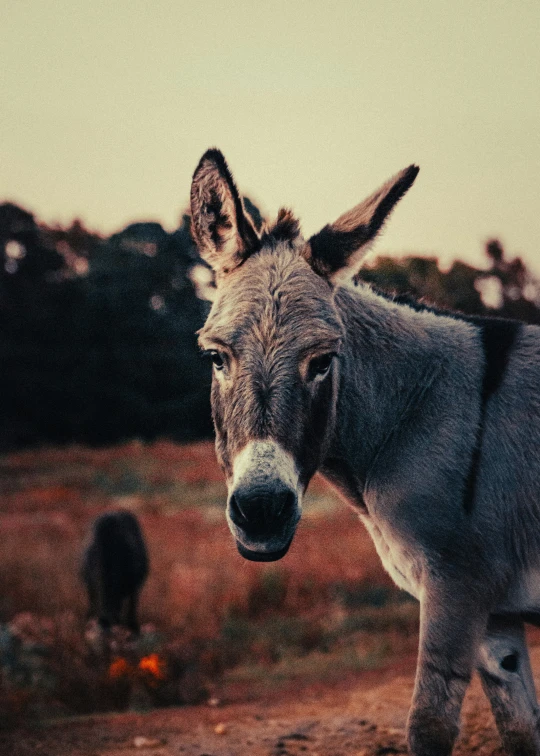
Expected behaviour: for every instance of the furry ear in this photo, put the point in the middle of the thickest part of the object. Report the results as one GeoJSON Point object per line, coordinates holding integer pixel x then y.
{"type": "Point", "coordinates": [222, 230]}
{"type": "Point", "coordinates": [337, 250]}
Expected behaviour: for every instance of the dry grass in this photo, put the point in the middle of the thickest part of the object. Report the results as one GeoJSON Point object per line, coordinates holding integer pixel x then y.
{"type": "Point", "coordinates": [206, 609]}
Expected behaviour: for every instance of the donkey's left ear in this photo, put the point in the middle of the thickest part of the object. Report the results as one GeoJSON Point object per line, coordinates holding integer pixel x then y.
{"type": "Point", "coordinates": [337, 250]}
{"type": "Point", "coordinates": [221, 229]}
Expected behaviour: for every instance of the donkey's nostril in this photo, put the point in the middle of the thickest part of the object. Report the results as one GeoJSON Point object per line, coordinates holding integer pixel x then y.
{"type": "Point", "coordinates": [237, 514]}
{"type": "Point", "coordinates": [285, 500]}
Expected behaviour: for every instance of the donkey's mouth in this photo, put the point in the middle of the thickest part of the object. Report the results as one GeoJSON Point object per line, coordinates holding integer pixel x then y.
{"type": "Point", "coordinates": [262, 556]}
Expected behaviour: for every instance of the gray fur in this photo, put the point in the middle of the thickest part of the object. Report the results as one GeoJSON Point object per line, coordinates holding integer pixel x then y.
{"type": "Point", "coordinates": [393, 424]}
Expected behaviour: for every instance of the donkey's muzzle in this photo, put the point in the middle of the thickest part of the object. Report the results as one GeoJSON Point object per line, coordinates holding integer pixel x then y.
{"type": "Point", "coordinates": [263, 522]}
{"type": "Point", "coordinates": [258, 514]}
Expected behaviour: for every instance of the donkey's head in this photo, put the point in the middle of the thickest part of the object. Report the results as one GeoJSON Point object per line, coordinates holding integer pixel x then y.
{"type": "Point", "coordinates": [274, 336]}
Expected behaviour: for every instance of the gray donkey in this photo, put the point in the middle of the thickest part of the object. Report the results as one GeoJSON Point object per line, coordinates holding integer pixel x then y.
{"type": "Point", "coordinates": [428, 423]}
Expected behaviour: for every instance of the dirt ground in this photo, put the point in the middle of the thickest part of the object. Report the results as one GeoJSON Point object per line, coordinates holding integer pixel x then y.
{"type": "Point", "coordinates": [363, 716]}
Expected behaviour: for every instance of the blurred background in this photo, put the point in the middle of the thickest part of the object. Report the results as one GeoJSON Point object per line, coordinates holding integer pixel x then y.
{"type": "Point", "coordinates": [104, 398]}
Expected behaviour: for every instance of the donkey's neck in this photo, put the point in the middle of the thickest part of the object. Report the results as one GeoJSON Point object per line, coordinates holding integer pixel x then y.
{"type": "Point", "coordinates": [393, 358]}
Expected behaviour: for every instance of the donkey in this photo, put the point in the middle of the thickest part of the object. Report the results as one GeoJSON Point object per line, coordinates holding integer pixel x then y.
{"type": "Point", "coordinates": [114, 568]}
{"type": "Point", "coordinates": [428, 423]}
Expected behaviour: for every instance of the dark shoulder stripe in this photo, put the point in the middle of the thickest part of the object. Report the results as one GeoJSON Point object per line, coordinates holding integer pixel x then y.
{"type": "Point", "coordinates": [470, 481]}
{"type": "Point", "coordinates": [498, 338]}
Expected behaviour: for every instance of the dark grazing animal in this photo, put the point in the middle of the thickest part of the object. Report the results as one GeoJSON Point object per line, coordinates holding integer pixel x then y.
{"type": "Point", "coordinates": [428, 424]}
{"type": "Point", "coordinates": [114, 568]}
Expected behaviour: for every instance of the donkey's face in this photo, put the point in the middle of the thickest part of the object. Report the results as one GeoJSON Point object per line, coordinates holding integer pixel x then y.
{"type": "Point", "coordinates": [274, 336]}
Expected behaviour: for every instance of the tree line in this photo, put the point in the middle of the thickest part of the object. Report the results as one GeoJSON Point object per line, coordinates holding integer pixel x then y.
{"type": "Point", "coordinates": [98, 334]}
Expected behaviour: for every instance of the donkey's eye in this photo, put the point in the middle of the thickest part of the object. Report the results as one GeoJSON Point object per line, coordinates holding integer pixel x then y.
{"type": "Point", "coordinates": [217, 359]}
{"type": "Point", "coordinates": [319, 366]}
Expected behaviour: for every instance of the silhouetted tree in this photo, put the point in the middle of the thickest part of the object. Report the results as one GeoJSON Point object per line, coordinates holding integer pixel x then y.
{"type": "Point", "coordinates": [97, 336]}
{"type": "Point", "coordinates": [505, 289]}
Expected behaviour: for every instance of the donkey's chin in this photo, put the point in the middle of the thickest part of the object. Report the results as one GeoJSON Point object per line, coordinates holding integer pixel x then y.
{"type": "Point", "coordinates": [263, 556]}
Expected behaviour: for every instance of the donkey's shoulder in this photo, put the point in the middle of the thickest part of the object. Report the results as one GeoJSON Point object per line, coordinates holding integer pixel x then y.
{"type": "Point", "coordinates": [500, 338]}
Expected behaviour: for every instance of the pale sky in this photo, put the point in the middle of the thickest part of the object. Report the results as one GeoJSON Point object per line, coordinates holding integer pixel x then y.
{"type": "Point", "coordinates": [106, 107]}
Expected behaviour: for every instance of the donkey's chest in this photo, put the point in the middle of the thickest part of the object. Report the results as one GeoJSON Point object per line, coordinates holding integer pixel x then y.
{"type": "Point", "coordinates": [400, 561]}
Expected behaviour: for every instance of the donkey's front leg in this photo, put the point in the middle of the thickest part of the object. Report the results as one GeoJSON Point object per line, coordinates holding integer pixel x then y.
{"type": "Point", "coordinates": [452, 625]}
{"type": "Point", "coordinates": [507, 679]}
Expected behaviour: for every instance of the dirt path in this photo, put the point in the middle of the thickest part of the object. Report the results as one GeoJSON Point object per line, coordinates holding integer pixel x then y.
{"type": "Point", "coordinates": [357, 718]}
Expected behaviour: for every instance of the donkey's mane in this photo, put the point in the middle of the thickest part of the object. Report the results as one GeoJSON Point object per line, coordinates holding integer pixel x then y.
{"type": "Point", "coordinates": [421, 306]}
{"type": "Point", "coordinates": [286, 228]}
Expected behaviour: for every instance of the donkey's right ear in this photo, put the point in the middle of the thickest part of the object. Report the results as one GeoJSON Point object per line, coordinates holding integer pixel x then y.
{"type": "Point", "coordinates": [221, 229]}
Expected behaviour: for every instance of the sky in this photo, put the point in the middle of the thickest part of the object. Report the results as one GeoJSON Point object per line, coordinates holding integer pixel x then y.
{"type": "Point", "coordinates": [106, 108]}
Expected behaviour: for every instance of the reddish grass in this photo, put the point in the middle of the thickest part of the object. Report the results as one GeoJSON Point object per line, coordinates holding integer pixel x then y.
{"type": "Point", "coordinates": [210, 608]}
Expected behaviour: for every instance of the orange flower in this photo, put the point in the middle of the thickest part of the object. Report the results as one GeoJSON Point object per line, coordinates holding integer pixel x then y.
{"type": "Point", "coordinates": [119, 668]}
{"type": "Point", "coordinates": [153, 665]}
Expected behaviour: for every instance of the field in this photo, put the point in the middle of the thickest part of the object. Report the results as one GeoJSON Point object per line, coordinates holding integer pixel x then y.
{"type": "Point", "coordinates": [214, 625]}
{"type": "Point", "coordinates": [312, 655]}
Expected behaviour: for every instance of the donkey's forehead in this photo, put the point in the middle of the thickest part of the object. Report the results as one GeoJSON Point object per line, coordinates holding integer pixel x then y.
{"type": "Point", "coordinates": [276, 293]}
